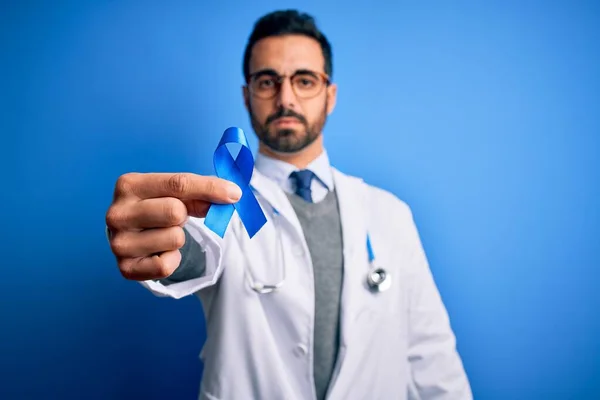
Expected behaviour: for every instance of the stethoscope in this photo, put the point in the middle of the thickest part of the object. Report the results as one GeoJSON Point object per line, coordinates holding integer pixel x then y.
{"type": "Point", "coordinates": [378, 279]}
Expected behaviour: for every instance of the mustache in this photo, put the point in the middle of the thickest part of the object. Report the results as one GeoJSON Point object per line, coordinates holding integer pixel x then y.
{"type": "Point", "coordinates": [284, 112]}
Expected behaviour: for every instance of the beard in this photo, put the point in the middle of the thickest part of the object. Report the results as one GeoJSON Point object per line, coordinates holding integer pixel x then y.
{"type": "Point", "coordinates": [288, 140]}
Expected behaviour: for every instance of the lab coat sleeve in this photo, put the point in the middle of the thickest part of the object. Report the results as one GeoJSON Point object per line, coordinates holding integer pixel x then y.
{"type": "Point", "coordinates": [212, 245]}
{"type": "Point", "coordinates": [436, 366]}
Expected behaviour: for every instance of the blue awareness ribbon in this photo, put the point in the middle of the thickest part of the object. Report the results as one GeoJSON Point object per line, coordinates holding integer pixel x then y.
{"type": "Point", "coordinates": [238, 171]}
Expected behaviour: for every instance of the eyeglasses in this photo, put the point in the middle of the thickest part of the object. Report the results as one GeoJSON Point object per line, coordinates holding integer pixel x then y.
{"type": "Point", "coordinates": [305, 84]}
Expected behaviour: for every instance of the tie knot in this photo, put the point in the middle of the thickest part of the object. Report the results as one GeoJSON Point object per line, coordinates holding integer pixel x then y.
{"type": "Point", "coordinates": [303, 180]}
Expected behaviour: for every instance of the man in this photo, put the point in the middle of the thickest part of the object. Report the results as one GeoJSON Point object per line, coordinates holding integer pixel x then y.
{"type": "Point", "coordinates": [325, 332]}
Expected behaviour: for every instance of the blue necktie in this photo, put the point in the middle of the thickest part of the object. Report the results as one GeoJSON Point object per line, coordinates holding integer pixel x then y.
{"type": "Point", "coordinates": [303, 180]}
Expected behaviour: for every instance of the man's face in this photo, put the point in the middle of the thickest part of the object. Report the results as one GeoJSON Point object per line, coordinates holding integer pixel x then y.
{"type": "Point", "coordinates": [291, 118]}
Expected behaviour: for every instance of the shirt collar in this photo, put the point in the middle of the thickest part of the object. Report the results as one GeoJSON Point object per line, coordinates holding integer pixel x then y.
{"type": "Point", "coordinates": [279, 171]}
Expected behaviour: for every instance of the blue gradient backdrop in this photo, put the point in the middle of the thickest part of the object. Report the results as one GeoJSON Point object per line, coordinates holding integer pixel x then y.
{"type": "Point", "coordinates": [484, 117]}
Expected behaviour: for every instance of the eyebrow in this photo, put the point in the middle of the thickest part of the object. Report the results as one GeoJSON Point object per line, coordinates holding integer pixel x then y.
{"type": "Point", "coordinates": [265, 71]}
{"type": "Point", "coordinates": [270, 71]}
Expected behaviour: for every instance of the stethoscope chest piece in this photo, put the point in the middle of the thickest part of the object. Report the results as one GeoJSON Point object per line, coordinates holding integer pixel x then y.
{"type": "Point", "coordinates": [379, 280]}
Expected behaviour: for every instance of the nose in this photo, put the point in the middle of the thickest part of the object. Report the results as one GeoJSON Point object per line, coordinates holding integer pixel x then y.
{"type": "Point", "coordinates": [286, 97]}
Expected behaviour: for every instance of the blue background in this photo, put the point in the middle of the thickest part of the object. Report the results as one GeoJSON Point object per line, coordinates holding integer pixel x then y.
{"type": "Point", "coordinates": [484, 117]}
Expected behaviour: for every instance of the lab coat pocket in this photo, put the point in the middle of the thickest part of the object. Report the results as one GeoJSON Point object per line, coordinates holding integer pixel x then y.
{"type": "Point", "coordinates": [378, 306]}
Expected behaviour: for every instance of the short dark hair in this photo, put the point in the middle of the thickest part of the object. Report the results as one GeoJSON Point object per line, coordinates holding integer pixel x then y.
{"type": "Point", "coordinates": [287, 22]}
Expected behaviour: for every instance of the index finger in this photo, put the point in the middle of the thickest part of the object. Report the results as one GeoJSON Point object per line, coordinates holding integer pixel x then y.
{"type": "Point", "coordinates": [184, 186]}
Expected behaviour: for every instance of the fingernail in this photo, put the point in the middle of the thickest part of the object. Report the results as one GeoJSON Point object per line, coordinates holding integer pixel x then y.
{"type": "Point", "coordinates": [234, 192]}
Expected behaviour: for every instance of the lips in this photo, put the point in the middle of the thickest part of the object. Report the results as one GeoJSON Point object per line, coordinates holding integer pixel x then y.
{"type": "Point", "coordinates": [286, 120]}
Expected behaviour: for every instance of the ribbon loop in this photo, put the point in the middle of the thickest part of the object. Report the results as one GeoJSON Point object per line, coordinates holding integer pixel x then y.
{"type": "Point", "coordinates": [238, 171]}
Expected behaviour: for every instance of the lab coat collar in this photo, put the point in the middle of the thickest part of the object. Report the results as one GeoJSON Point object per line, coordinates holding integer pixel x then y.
{"type": "Point", "coordinates": [279, 171]}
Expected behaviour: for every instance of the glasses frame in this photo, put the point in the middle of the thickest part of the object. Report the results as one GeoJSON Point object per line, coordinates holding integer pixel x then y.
{"type": "Point", "coordinates": [280, 78]}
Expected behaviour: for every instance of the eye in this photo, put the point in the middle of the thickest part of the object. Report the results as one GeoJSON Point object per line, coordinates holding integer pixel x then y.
{"type": "Point", "coordinates": [305, 81]}
{"type": "Point", "coordinates": [266, 83]}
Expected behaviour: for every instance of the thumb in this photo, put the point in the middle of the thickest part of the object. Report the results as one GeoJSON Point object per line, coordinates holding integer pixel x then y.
{"type": "Point", "coordinates": [197, 208]}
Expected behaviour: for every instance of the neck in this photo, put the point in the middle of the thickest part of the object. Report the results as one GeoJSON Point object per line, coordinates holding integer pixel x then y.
{"type": "Point", "coordinates": [300, 159]}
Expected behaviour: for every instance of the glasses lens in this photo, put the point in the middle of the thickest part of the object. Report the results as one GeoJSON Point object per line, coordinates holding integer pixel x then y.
{"type": "Point", "coordinates": [307, 85]}
{"type": "Point", "coordinates": [265, 86]}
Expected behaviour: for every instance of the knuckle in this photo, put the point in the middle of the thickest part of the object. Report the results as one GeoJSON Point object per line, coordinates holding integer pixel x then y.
{"type": "Point", "coordinates": [126, 269]}
{"type": "Point", "coordinates": [163, 269]}
{"type": "Point", "coordinates": [175, 211]}
{"type": "Point", "coordinates": [124, 185]}
{"type": "Point", "coordinates": [211, 187]}
{"type": "Point", "coordinates": [178, 184]}
{"type": "Point", "coordinates": [177, 238]}
{"type": "Point", "coordinates": [114, 216]}
{"type": "Point", "coordinates": [119, 245]}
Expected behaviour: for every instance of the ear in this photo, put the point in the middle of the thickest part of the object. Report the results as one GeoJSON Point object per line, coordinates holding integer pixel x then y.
{"type": "Point", "coordinates": [246, 96]}
{"type": "Point", "coordinates": [331, 97]}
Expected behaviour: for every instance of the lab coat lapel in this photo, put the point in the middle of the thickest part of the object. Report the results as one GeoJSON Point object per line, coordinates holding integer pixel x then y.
{"type": "Point", "coordinates": [353, 213]}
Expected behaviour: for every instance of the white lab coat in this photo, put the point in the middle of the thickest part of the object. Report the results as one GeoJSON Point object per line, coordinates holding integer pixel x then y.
{"type": "Point", "coordinates": [394, 345]}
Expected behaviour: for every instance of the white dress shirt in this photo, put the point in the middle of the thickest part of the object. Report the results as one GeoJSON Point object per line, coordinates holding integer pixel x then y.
{"type": "Point", "coordinates": [279, 172]}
